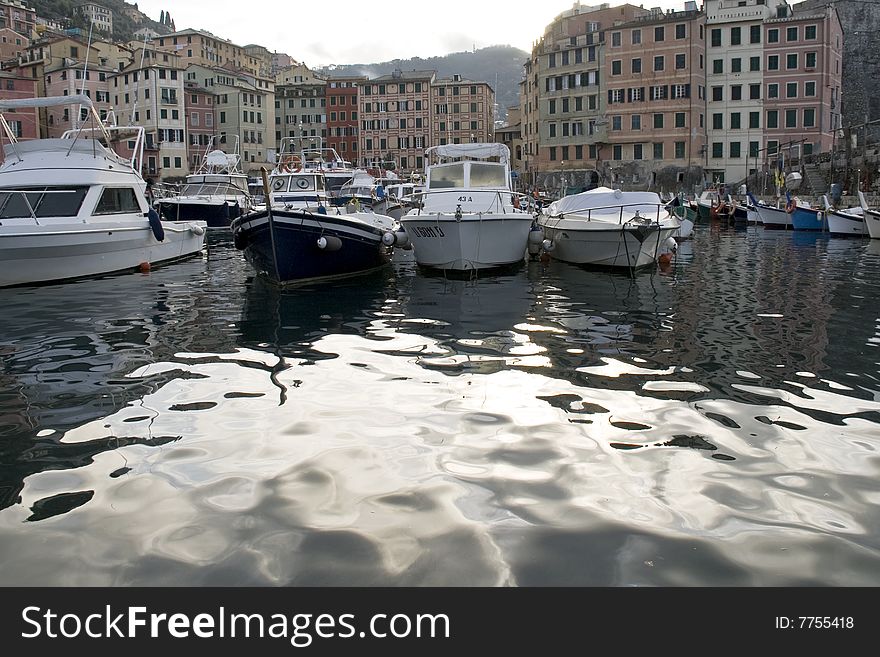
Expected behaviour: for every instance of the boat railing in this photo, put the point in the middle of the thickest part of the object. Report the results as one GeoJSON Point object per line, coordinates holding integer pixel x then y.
{"type": "Point", "coordinates": [497, 205]}
{"type": "Point", "coordinates": [623, 216]}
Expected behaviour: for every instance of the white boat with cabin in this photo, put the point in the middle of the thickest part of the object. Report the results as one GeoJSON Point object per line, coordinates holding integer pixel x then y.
{"type": "Point", "coordinates": [470, 218]}
{"type": "Point", "coordinates": [73, 207]}
{"type": "Point", "coordinates": [608, 228]}
{"type": "Point", "coordinates": [216, 193]}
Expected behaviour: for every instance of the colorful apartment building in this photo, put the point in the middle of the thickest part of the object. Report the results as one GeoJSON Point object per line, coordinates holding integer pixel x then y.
{"type": "Point", "coordinates": [300, 104]}
{"type": "Point", "coordinates": [342, 116]}
{"type": "Point", "coordinates": [463, 111]}
{"type": "Point", "coordinates": [204, 49]}
{"type": "Point", "coordinates": [12, 44]}
{"type": "Point", "coordinates": [654, 71]}
{"type": "Point", "coordinates": [16, 15]}
{"type": "Point", "coordinates": [24, 123]}
{"type": "Point", "coordinates": [395, 120]}
{"type": "Point", "coordinates": [803, 57]}
{"type": "Point", "coordinates": [69, 78]}
{"type": "Point", "coordinates": [200, 123]}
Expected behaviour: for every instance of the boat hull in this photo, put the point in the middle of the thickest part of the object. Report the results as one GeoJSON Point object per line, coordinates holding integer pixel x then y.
{"type": "Point", "coordinates": [288, 250]}
{"type": "Point", "coordinates": [612, 246]}
{"type": "Point", "coordinates": [474, 242]}
{"type": "Point", "coordinates": [807, 219]}
{"type": "Point", "coordinates": [843, 224]}
{"type": "Point", "coordinates": [57, 252]}
{"type": "Point", "coordinates": [216, 215]}
{"type": "Point", "coordinates": [872, 223]}
{"type": "Point", "coordinates": [774, 218]}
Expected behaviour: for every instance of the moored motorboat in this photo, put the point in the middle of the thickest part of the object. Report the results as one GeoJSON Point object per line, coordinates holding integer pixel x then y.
{"type": "Point", "coordinates": [73, 207]}
{"type": "Point", "coordinates": [772, 218]}
{"type": "Point", "coordinates": [470, 218]}
{"type": "Point", "coordinates": [298, 236]}
{"type": "Point", "coordinates": [610, 228]}
{"type": "Point", "coordinates": [849, 222]}
{"type": "Point", "coordinates": [804, 216]}
{"type": "Point", "coordinates": [216, 193]}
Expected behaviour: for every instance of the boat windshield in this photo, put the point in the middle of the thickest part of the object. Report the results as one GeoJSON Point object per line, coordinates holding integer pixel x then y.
{"type": "Point", "coordinates": [210, 189]}
{"type": "Point", "coordinates": [447, 176]}
{"type": "Point", "coordinates": [487, 174]}
{"type": "Point", "coordinates": [41, 202]}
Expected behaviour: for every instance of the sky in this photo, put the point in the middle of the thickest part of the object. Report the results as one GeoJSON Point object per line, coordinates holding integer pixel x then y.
{"type": "Point", "coordinates": [363, 32]}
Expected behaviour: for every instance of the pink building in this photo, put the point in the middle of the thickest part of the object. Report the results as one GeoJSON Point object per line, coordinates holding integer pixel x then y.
{"type": "Point", "coordinates": [342, 116]}
{"type": "Point", "coordinates": [655, 75]}
{"type": "Point", "coordinates": [200, 121]}
{"type": "Point", "coordinates": [69, 79]}
{"type": "Point", "coordinates": [12, 44]}
{"type": "Point", "coordinates": [16, 15]}
{"type": "Point", "coordinates": [25, 123]}
{"type": "Point", "coordinates": [802, 79]}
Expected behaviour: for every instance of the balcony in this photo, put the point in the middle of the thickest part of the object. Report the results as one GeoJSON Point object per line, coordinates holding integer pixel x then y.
{"type": "Point", "coordinates": [169, 100]}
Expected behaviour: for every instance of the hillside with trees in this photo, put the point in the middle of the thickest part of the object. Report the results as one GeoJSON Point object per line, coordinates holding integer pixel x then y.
{"type": "Point", "coordinates": [127, 18]}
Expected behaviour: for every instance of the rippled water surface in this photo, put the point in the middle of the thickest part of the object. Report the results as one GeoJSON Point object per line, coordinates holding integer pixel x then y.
{"type": "Point", "coordinates": [714, 424]}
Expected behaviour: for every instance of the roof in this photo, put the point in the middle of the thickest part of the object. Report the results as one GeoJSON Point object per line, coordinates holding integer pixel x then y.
{"type": "Point", "coordinates": [406, 75]}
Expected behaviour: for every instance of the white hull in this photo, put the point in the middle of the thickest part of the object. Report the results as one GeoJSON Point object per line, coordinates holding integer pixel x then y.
{"type": "Point", "coordinates": [473, 242]}
{"type": "Point", "coordinates": [608, 246]}
{"type": "Point", "coordinates": [872, 222]}
{"type": "Point", "coordinates": [773, 218]}
{"type": "Point", "coordinates": [753, 216]}
{"type": "Point", "coordinates": [685, 230]}
{"type": "Point", "coordinates": [839, 224]}
{"type": "Point", "coordinates": [37, 254]}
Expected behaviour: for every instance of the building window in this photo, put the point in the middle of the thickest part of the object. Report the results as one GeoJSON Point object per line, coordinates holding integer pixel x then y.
{"type": "Point", "coordinates": [791, 89]}
{"type": "Point", "coordinates": [553, 153]}
{"type": "Point", "coordinates": [636, 122]}
{"type": "Point", "coordinates": [755, 34]}
{"type": "Point", "coordinates": [735, 153]}
{"type": "Point", "coordinates": [681, 31]}
{"type": "Point", "coordinates": [636, 37]}
{"type": "Point", "coordinates": [679, 150]}
{"type": "Point", "coordinates": [680, 119]}
{"type": "Point", "coordinates": [735, 36]}
{"type": "Point", "coordinates": [772, 119]}
{"type": "Point", "coordinates": [809, 89]}
{"type": "Point", "coordinates": [680, 61]}
{"type": "Point", "coordinates": [773, 63]}
{"type": "Point", "coordinates": [717, 94]}
{"type": "Point", "coordinates": [659, 33]}
{"type": "Point", "coordinates": [754, 63]}
{"type": "Point", "coordinates": [791, 118]}
{"type": "Point", "coordinates": [716, 38]}
{"type": "Point", "coordinates": [718, 121]}
{"type": "Point", "coordinates": [735, 121]}
{"type": "Point", "coordinates": [809, 118]}
{"type": "Point", "coordinates": [658, 122]}
{"type": "Point", "coordinates": [810, 33]}
{"type": "Point", "coordinates": [636, 65]}
{"type": "Point", "coordinates": [791, 34]}
{"type": "Point", "coordinates": [617, 152]}
{"type": "Point", "coordinates": [637, 152]}
{"type": "Point", "coordinates": [615, 39]}
{"type": "Point", "coordinates": [717, 66]}
{"type": "Point", "coordinates": [659, 63]}
{"type": "Point", "coordinates": [791, 61]}
{"type": "Point", "coordinates": [616, 67]}
{"type": "Point", "coordinates": [736, 92]}
{"type": "Point", "coordinates": [736, 65]}
{"type": "Point", "coordinates": [754, 120]}
{"type": "Point", "coordinates": [658, 150]}
{"type": "Point", "coordinates": [616, 122]}
{"type": "Point", "coordinates": [811, 60]}
{"type": "Point", "coordinates": [773, 35]}
{"type": "Point", "coordinates": [717, 149]}
{"type": "Point", "coordinates": [753, 148]}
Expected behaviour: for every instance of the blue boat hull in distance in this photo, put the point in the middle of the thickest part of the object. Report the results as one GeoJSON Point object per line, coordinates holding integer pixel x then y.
{"type": "Point", "coordinates": [808, 219]}
{"type": "Point", "coordinates": [301, 245]}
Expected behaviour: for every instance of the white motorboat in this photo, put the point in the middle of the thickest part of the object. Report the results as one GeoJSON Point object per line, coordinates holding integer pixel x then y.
{"type": "Point", "coordinates": [608, 228]}
{"type": "Point", "coordinates": [872, 218]}
{"type": "Point", "coordinates": [469, 219]}
{"type": "Point", "coordinates": [73, 207]}
{"type": "Point", "coordinates": [850, 221]}
{"type": "Point", "coordinates": [217, 192]}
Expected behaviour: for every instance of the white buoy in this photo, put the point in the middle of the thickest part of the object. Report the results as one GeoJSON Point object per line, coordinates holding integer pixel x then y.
{"type": "Point", "coordinates": [329, 243]}
{"type": "Point", "coordinates": [670, 245]}
{"type": "Point", "coordinates": [548, 245]}
{"type": "Point", "coordinates": [195, 229]}
{"type": "Point", "coordinates": [536, 236]}
{"type": "Point", "coordinates": [401, 240]}
{"type": "Point", "coordinates": [389, 239]}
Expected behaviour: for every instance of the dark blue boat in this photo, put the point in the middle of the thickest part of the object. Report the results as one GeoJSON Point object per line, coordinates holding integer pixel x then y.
{"type": "Point", "coordinates": [294, 245]}
{"type": "Point", "coordinates": [807, 219]}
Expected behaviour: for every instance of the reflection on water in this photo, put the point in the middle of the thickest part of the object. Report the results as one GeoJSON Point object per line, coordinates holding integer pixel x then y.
{"type": "Point", "coordinates": [713, 424]}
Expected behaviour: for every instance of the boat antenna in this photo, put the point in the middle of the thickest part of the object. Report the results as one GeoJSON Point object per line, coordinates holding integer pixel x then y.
{"type": "Point", "coordinates": [82, 90]}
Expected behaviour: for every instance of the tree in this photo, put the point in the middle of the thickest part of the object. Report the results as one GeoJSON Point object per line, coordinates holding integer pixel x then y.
{"type": "Point", "coordinates": [162, 17]}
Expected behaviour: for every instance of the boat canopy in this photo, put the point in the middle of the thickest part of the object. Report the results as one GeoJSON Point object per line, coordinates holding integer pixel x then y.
{"type": "Point", "coordinates": [480, 151]}
{"type": "Point", "coordinates": [603, 197]}
{"type": "Point", "coordinates": [51, 101]}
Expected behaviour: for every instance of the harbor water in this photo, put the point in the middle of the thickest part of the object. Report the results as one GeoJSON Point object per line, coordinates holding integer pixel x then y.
{"type": "Point", "coordinates": [713, 424]}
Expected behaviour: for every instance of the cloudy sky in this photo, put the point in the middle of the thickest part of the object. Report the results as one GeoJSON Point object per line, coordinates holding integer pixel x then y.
{"type": "Point", "coordinates": [364, 32]}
